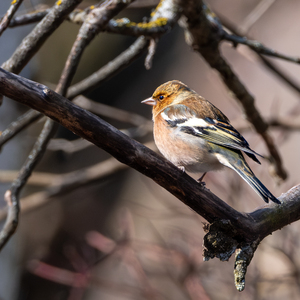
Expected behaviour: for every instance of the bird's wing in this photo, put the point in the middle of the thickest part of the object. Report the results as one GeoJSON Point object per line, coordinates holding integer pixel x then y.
{"type": "Point", "coordinates": [215, 131]}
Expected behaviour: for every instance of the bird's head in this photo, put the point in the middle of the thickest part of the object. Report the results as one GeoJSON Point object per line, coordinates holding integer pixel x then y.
{"type": "Point", "coordinates": [167, 94]}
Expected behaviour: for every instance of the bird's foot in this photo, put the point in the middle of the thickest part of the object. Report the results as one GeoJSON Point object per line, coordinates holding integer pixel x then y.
{"type": "Point", "coordinates": [200, 180]}
{"type": "Point", "coordinates": [182, 168]}
{"type": "Point", "coordinates": [202, 184]}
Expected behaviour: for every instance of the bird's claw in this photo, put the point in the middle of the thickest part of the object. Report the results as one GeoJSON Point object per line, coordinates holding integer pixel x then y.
{"type": "Point", "coordinates": [181, 168]}
{"type": "Point", "coordinates": [201, 183]}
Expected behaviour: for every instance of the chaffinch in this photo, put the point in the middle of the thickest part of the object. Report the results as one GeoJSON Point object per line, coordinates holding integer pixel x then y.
{"type": "Point", "coordinates": [196, 136]}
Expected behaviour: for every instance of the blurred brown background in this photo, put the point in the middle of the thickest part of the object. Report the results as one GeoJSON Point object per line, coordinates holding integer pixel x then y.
{"type": "Point", "coordinates": [158, 241]}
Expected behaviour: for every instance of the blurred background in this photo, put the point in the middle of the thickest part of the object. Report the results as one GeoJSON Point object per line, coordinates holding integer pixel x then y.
{"type": "Point", "coordinates": [120, 235]}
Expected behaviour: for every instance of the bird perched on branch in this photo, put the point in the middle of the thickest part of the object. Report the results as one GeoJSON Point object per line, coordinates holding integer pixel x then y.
{"type": "Point", "coordinates": [196, 136]}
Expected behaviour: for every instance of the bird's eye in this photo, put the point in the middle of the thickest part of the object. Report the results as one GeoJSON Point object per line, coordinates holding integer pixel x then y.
{"type": "Point", "coordinates": [161, 97]}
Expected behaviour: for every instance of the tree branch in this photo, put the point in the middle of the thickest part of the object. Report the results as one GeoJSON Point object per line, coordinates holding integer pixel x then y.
{"type": "Point", "coordinates": [12, 195]}
{"type": "Point", "coordinates": [9, 14]}
{"type": "Point", "coordinates": [248, 227]}
{"type": "Point", "coordinates": [267, 62]}
{"type": "Point", "coordinates": [36, 38]}
{"type": "Point", "coordinates": [95, 21]}
{"type": "Point", "coordinates": [238, 230]}
{"type": "Point", "coordinates": [258, 47]}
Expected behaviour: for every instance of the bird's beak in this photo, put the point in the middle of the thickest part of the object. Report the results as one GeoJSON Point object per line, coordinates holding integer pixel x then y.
{"type": "Point", "coordinates": [149, 101]}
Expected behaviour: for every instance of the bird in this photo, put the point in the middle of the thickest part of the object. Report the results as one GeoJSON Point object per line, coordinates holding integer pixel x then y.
{"type": "Point", "coordinates": [197, 137]}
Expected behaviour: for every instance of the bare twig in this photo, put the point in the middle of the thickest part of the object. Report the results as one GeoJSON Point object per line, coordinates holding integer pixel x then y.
{"type": "Point", "coordinates": [157, 26]}
{"type": "Point", "coordinates": [95, 21]}
{"type": "Point", "coordinates": [16, 126]}
{"type": "Point", "coordinates": [29, 18]}
{"type": "Point", "coordinates": [65, 183]}
{"type": "Point", "coordinates": [285, 123]}
{"type": "Point", "coordinates": [36, 178]}
{"type": "Point", "coordinates": [112, 112]}
{"type": "Point", "coordinates": [168, 10]}
{"type": "Point", "coordinates": [12, 195]}
{"type": "Point", "coordinates": [152, 29]}
{"type": "Point", "coordinates": [267, 62]}
{"type": "Point", "coordinates": [143, 125]}
{"type": "Point", "coordinates": [35, 39]}
{"type": "Point", "coordinates": [258, 47]}
{"type": "Point", "coordinates": [61, 276]}
{"type": "Point", "coordinates": [68, 146]}
{"type": "Point", "coordinates": [150, 55]}
{"type": "Point", "coordinates": [254, 15]}
{"type": "Point", "coordinates": [74, 146]}
{"type": "Point", "coordinates": [4, 23]}
{"type": "Point", "coordinates": [58, 184]}
{"type": "Point", "coordinates": [255, 45]}
{"type": "Point", "coordinates": [32, 160]}
{"type": "Point", "coordinates": [110, 69]}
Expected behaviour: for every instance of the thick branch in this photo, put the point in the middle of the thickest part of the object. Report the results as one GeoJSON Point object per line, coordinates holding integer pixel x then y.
{"type": "Point", "coordinates": [248, 227]}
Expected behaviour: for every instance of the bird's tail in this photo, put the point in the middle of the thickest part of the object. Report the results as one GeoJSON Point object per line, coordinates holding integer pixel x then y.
{"type": "Point", "coordinates": [256, 184]}
{"type": "Point", "coordinates": [238, 163]}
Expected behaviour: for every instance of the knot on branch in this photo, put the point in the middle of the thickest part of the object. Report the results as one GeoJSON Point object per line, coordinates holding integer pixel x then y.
{"type": "Point", "coordinates": [243, 258]}
{"type": "Point", "coordinates": [219, 241]}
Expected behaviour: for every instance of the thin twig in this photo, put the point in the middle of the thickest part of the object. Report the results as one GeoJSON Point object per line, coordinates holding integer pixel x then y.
{"type": "Point", "coordinates": [285, 123]}
{"type": "Point", "coordinates": [151, 51]}
{"type": "Point", "coordinates": [143, 125]}
{"type": "Point", "coordinates": [112, 112]}
{"type": "Point", "coordinates": [254, 15]}
{"type": "Point", "coordinates": [36, 178]}
{"type": "Point", "coordinates": [258, 47]}
{"type": "Point", "coordinates": [36, 38]}
{"type": "Point", "coordinates": [74, 146]}
{"type": "Point", "coordinates": [32, 160]}
{"type": "Point", "coordinates": [67, 146]}
{"type": "Point", "coordinates": [64, 183]}
{"type": "Point", "coordinates": [116, 65]}
{"type": "Point", "coordinates": [59, 184]}
{"type": "Point", "coordinates": [95, 21]}
{"type": "Point", "coordinates": [153, 29]}
{"type": "Point", "coordinates": [16, 126]}
{"type": "Point", "coordinates": [156, 27]}
{"type": "Point", "coordinates": [267, 62]}
{"type": "Point", "coordinates": [29, 18]}
{"type": "Point", "coordinates": [4, 23]}
{"type": "Point", "coordinates": [12, 195]}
